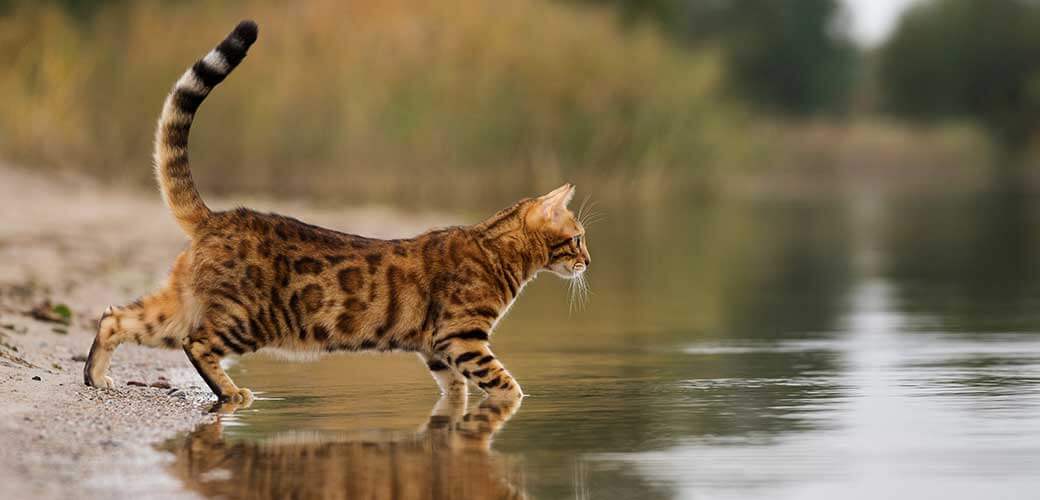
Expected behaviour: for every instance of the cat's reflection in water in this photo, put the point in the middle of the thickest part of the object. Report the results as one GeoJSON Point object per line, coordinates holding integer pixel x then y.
{"type": "Point", "coordinates": [449, 457]}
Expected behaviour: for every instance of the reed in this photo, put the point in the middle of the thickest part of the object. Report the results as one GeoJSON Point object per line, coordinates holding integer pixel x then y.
{"type": "Point", "coordinates": [368, 99]}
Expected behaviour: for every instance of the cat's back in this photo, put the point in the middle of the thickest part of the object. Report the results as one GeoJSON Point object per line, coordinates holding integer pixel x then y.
{"type": "Point", "coordinates": [266, 249]}
{"type": "Point", "coordinates": [279, 231]}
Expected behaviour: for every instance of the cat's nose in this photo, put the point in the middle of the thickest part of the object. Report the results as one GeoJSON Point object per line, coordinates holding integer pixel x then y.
{"type": "Point", "coordinates": [588, 260]}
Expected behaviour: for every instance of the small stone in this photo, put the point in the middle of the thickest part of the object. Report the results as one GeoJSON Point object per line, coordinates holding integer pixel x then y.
{"type": "Point", "coordinates": [82, 358]}
{"type": "Point", "coordinates": [136, 383]}
{"type": "Point", "coordinates": [45, 311]}
{"type": "Point", "coordinates": [161, 384]}
{"type": "Point", "coordinates": [37, 377]}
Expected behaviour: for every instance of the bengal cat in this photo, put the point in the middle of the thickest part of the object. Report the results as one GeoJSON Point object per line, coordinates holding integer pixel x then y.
{"type": "Point", "coordinates": [250, 281]}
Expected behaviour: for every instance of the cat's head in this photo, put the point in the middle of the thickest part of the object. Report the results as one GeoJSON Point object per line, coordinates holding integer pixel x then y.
{"type": "Point", "coordinates": [560, 231]}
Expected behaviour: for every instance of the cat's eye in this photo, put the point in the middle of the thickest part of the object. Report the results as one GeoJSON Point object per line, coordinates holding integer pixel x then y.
{"type": "Point", "coordinates": [577, 240]}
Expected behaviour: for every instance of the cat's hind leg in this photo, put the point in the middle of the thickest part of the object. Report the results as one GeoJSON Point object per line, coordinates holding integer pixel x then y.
{"type": "Point", "coordinates": [155, 320]}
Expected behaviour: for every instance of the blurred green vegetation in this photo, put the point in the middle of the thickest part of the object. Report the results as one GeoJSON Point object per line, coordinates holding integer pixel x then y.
{"type": "Point", "coordinates": [788, 57]}
{"type": "Point", "coordinates": [428, 101]}
{"type": "Point", "coordinates": [364, 98]}
{"type": "Point", "coordinates": [966, 58]}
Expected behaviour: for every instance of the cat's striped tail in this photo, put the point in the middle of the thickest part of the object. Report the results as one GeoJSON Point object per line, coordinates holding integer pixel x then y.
{"type": "Point", "coordinates": [171, 137]}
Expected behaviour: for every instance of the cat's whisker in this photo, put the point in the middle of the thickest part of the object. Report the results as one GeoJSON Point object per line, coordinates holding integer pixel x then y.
{"type": "Point", "coordinates": [576, 299]}
{"type": "Point", "coordinates": [585, 206]}
{"type": "Point", "coordinates": [581, 209]}
{"type": "Point", "coordinates": [589, 215]}
{"type": "Point", "coordinates": [570, 297]}
{"type": "Point", "coordinates": [593, 221]}
{"type": "Point", "coordinates": [579, 292]}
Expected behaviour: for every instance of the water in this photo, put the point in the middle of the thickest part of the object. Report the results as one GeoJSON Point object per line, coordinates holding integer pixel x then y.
{"type": "Point", "coordinates": [859, 347]}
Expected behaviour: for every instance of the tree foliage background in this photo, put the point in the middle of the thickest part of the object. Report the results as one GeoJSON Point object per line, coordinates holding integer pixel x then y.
{"type": "Point", "coordinates": [966, 58]}
{"type": "Point", "coordinates": [671, 90]}
{"type": "Point", "coordinates": [788, 57]}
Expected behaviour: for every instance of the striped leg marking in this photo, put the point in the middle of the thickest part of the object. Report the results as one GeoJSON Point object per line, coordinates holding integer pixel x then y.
{"type": "Point", "coordinates": [448, 379]}
{"type": "Point", "coordinates": [474, 359]}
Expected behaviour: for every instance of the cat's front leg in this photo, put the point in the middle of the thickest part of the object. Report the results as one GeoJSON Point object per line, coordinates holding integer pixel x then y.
{"type": "Point", "coordinates": [473, 358]}
{"type": "Point", "coordinates": [448, 379]}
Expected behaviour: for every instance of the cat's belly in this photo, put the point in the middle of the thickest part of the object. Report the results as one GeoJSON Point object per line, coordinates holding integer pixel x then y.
{"type": "Point", "coordinates": [309, 353]}
{"type": "Point", "coordinates": [295, 355]}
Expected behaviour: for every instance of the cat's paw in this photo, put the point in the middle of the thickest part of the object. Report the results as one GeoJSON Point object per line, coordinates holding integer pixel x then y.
{"type": "Point", "coordinates": [514, 392]}
{"type": "Point", "coordinates": [228, 405]}
{"type": "Point", "coordinates": [103, 382]}
{"type": "Point", "coordinates": [243, 397]}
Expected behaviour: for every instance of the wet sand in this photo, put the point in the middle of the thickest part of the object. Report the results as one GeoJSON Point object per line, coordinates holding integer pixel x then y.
{"type": "Point", "coordinates": [69, 241]}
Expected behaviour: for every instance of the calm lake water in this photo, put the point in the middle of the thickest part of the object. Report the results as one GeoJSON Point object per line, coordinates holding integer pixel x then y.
{"type": "Point", "coordinates": [852, 348]}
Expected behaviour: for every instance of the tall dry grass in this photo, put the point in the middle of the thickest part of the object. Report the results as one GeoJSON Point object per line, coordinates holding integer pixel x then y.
{"type": "Point", "coordinates": [367, 98]}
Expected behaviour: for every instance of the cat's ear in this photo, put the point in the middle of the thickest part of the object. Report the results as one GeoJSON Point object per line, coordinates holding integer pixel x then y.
{"type": "Point", "coordinates": [554, 203]}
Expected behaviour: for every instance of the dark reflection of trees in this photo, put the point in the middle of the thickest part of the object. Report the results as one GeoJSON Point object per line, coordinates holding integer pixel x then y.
{"type": "Point", "coordinates": [449, 457]}
{"type": "Point", "coordinates": [772, 272]}
{"type": "Point", "coordinates": [709, 270]}
{"type": "Point", "coordinates": [762, 270]}
{"type": "Point", "coordinates": [969, 262]}
{"type": "Point", "coordinates": [747, 396]}
{"type": "Point", "coordinates": [762, 273]}
{"type": "Point", "coordinates": [711, 395]}
{"type": "Point", "coordinates": [802, 280]}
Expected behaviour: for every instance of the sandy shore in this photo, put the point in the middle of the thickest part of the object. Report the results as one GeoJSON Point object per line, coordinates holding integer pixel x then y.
{"type": "Point", "coordinates": [65, 240]}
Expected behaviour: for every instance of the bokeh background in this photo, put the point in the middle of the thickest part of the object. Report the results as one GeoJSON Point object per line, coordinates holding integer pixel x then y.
{"type": "Point", "coordinates": [816, 238]}
{"type": "Point", "coordinates": [443, 101]}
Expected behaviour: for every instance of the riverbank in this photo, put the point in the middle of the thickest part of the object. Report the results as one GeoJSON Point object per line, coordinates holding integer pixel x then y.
{"type": "Point", "coordinates": [67, 241]}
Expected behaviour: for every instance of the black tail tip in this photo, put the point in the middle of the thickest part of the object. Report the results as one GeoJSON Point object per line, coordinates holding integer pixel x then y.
{"type": "Point", "coordinates": [246, 32]}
